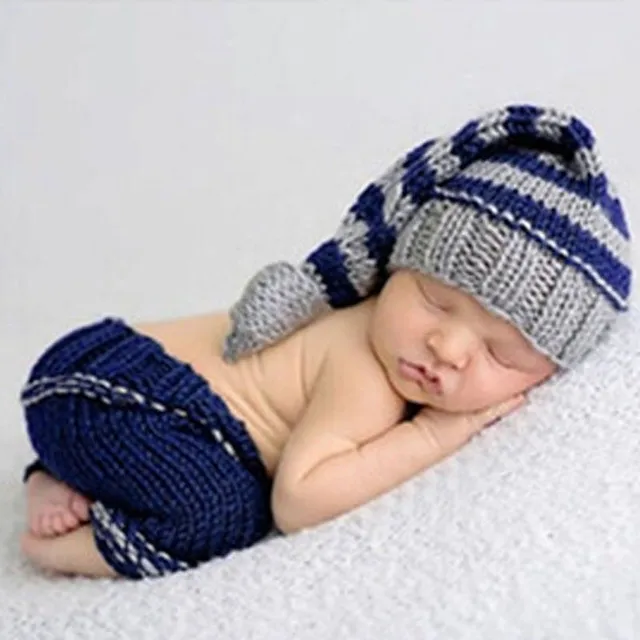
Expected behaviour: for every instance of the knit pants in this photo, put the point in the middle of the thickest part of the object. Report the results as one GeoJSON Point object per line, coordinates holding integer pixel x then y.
{"type": "Point", "coordinates": [174, 477]}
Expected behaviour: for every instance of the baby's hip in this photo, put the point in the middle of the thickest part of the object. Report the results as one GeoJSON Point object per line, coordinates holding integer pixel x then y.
{"type": "Point", "coordinates": [106, 380]}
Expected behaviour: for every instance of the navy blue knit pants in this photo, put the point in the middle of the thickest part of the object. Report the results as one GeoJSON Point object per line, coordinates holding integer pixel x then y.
{"type": "Point", "coordinates": [174, 477]}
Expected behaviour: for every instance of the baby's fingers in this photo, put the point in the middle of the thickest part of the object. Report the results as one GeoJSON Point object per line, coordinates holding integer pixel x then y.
{"type": "Point", "coordinates": [498, 411]}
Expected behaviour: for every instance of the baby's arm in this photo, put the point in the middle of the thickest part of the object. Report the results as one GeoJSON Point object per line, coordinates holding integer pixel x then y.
{"type": "Point", "coordinates": [350, 448]}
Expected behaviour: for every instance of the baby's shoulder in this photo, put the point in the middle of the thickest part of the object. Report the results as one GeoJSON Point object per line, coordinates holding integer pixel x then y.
{"type": "Point", "coordinates": [342, 333]}
{"type": "Point", "coordinates": [348, 360]}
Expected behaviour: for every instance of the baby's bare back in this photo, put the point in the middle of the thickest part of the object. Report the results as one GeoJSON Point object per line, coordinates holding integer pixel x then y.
{"type": "Point", "coordinates": [270, 390]}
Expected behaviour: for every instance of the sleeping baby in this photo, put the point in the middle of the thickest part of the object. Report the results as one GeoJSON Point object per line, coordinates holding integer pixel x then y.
{"type": "Point", "coordinates": [477, 267]}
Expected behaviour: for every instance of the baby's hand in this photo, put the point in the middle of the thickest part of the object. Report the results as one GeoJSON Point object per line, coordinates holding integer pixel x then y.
{"type": "Point", "coordinates": [449, 431]}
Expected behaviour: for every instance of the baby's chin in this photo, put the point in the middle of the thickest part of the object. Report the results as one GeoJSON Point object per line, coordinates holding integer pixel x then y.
{"type": "Point", "coordinates": [419, 397]}
{"type": "Point", "coordinates": [440, 403]}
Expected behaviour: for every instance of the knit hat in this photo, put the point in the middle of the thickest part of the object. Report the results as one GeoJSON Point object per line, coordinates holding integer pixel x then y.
{"type": "Point", "coordinates": [514, 208]}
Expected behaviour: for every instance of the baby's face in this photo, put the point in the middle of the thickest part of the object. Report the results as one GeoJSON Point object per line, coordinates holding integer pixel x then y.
{"type": "Point", "coordinates": [478, 358]}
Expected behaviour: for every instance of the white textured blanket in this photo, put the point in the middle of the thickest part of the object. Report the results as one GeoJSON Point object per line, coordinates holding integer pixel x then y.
{"type": "Point", "coordinates": [531, 531]}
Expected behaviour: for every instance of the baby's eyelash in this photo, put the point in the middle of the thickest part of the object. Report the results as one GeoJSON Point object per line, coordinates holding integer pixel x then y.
{"type": "Point", "coordinates": [434, 303]}
{"type": "Point", "coordinates": [504, 362]}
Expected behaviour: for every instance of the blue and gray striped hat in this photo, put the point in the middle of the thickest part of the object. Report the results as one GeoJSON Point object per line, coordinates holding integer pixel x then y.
{"type": "Point", "coordinates": [515, 209]}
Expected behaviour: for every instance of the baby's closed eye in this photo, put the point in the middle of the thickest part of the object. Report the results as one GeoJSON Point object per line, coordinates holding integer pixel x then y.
{"type": "Point", "coordinates": [507, 355]}
{"type": "Point", "coordinates": [512, 355]}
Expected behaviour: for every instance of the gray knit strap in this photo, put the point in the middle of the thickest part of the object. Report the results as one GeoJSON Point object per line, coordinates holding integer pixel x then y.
{"type": "Point", "coordinates": [279, 299]}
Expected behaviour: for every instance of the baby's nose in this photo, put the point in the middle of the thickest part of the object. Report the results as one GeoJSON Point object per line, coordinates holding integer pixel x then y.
{"type": "Point", "coordinates": [453, 346]}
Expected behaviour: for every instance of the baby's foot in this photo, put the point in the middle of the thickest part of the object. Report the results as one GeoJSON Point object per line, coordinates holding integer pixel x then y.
{"type": "Point", "coordinates": [53, 507]}
{"type": "Point", "coordinates": [73, 553]}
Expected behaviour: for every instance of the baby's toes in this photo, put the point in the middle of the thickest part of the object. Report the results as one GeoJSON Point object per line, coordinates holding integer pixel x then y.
{"type": "Point", "coordinates": [51, 523]}
{"type": "Point", "coordinates": [46, 523]}
{"type": "Point", "coordinates": [70, 520]}
{"type": "Point", "coordinates": [80, 507]}
{"type": "Point", "coordinates": [58, 523]}
{"type": "Point", "coordinates": [35, 526]}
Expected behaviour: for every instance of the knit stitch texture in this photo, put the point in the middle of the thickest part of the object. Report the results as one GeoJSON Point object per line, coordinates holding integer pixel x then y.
{"type": "Point", "coordinates": [174, 477]}
{"type": "Point", "coordinates": [515, 208]}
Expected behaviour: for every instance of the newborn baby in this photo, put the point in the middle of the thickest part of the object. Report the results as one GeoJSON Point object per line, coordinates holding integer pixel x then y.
{"type": "Point", "coordinates": [472, 271]}
{"type": "Point", "coordinates": [325, 406]}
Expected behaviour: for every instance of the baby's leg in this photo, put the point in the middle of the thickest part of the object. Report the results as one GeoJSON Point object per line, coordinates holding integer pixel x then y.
{"type": "Point", "coordinates": [175, 477]}
{"type": "Point", "coordinates": [72, 553]}
{"type": "Point", "coordinates": [53, 507]}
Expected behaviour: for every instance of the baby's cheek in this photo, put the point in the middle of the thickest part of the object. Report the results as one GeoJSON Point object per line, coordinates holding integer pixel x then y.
{"type": "Point", "coordinates": [510, 385]}
{"type": "Point", "coordinates": [486, 392]}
